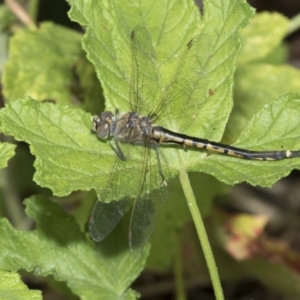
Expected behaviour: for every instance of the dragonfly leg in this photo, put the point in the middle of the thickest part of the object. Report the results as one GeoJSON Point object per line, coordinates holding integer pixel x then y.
{"type": "Point", "coordinates": [164, 182]}
{"type": "Point", "coordinates": [117, 149]}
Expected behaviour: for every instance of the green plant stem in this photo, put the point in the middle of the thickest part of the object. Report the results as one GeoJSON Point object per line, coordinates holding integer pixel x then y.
{"type": "Point", "coordinates": [33, 6]}
{"type": "Point", "coordinates": [12, 203]}
{"type": "Point", "coordinates": [294, 25]}
{"type": "Point", "coordinates": [19, 12]}
{"type": "Point", "coordinates": [180, 290]}
{"type": "Point", "coordinates": [192, 204]}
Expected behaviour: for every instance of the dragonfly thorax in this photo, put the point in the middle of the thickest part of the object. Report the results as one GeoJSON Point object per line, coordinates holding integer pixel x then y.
{"type": "Point", "coordinates": [126, 128]}
{"type": "Point", "coordinates": [132, 128]}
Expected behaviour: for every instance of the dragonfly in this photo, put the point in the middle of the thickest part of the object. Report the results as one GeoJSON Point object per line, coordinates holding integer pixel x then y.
{"type": "Point", "coordinates": [144, 183]}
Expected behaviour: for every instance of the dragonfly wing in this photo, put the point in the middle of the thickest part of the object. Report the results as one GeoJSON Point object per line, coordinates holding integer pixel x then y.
{"type": "Point", "coordinates": [145, 81]}
{"type": "Point", "coordinates": [189, 85]}
{"type": "Point", "coordinates": [115, 197]}
{"type": "Point", "coordinates": [151, 196]}
{"type": "Point", "coordinates": [105, 217]}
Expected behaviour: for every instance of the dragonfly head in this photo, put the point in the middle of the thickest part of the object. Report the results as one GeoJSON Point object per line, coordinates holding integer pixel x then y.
{"type": "Point", "coordinates": [102, 124]}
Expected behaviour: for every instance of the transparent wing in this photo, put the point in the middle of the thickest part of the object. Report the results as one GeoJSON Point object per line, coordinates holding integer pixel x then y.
{"type": "Point", "coordinates": [144, 74]}
{"type": "Point", "coordinates": [115, 197]}
{"type": "Point", "coordinates": [150, 197]}
{"type": "Point", "coordinates": [188, 89]}
{"type": "Point", "coordinates": [106, 216]}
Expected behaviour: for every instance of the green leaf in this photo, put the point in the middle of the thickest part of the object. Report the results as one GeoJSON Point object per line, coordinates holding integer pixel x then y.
{"type": "Point", "coordinates": [57, 247]}
{"type": "Point", "coordinates": [260, 82]}
{"type": "Point", "coordinates": [6, 17]}
{"type": "Point", "coordinates": [275, 126]}
{"type": "Point", "coordinates": [278, 56]}
{"type": "Point", "coordinates": [12, 287]}
{"type": "Point", "coordinates": [256, 85]}
{"type": "Point", "coordinates": [49, 53]}
{"type": "Point", "coordinates": [67, 154]}
{"type": "Point", "coordinates": [265, 33]}
{"type": "Point", "coordinates": [68, 157]}
{"type": "Point", "coordinates": [107, 42]}
{"type": "Point", "coordinates": [7, 151]}
{"type": "Point", "coordinates": [171, 26]}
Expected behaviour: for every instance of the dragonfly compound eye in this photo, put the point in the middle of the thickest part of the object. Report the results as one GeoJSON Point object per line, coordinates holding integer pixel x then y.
{"type": "Point", "coordinates": [101, 124]}
{"type": "Point", "coordinates": [102, 129]}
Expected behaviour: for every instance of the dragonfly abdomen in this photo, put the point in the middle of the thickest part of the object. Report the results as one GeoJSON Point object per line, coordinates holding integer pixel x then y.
{"type": "Point", "coordinates": [165, 136]}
